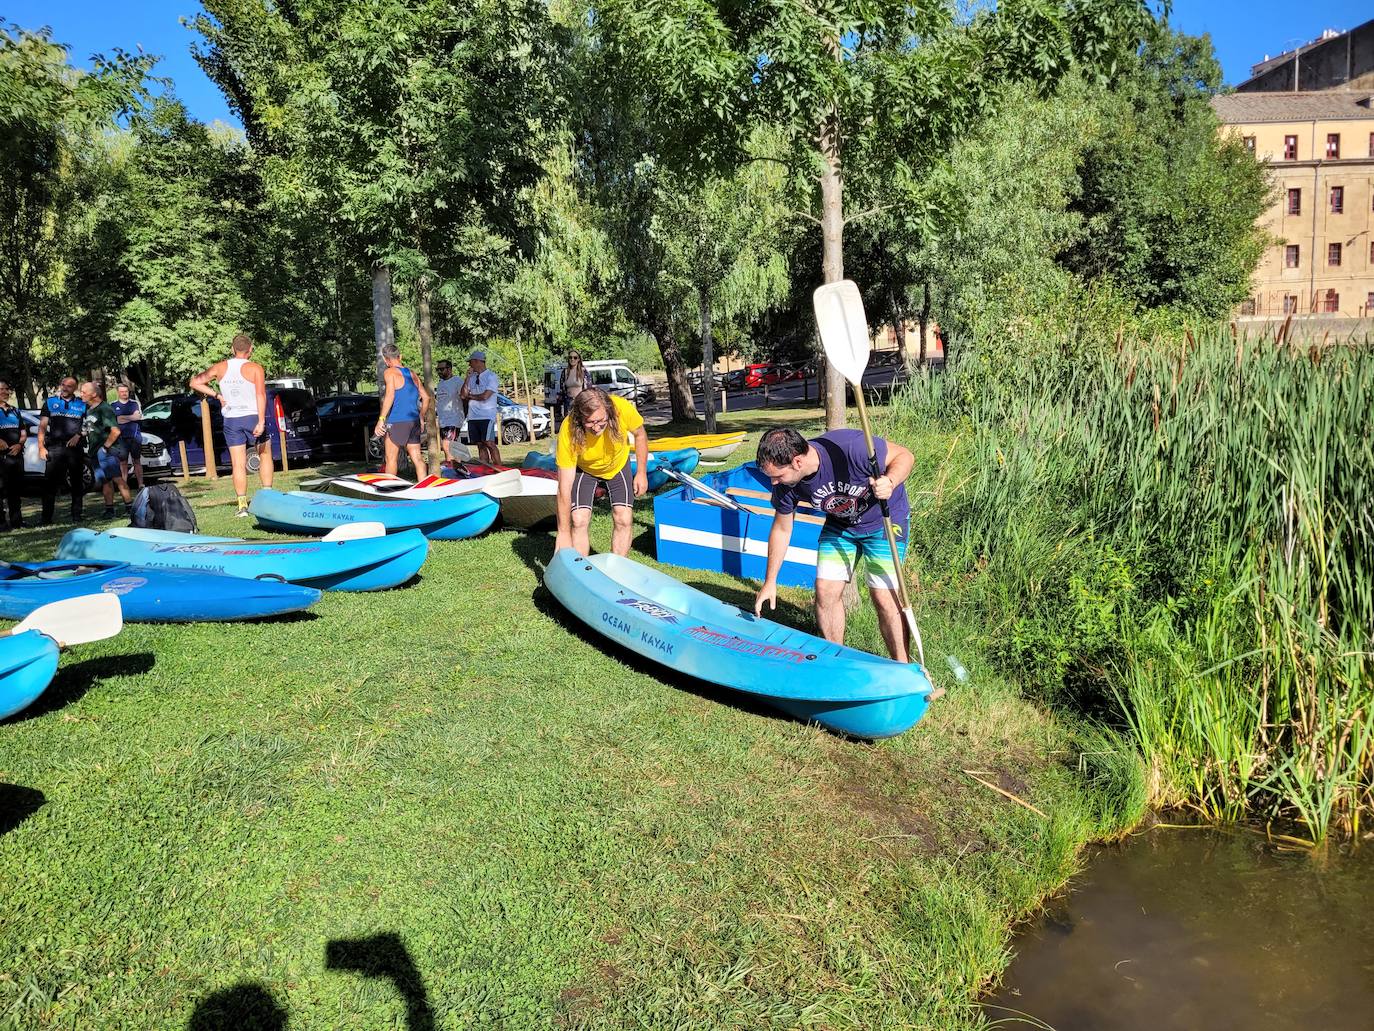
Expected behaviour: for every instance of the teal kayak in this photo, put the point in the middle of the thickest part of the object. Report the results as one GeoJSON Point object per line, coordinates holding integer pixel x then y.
{"type": "Point", "coordinates": [683, 460]}
{"type": "Point", "coordinates": [842, 689]}
{"type": "Point", "coordinates": [366, 564]}
{"type": "Point", "coordinates": [27, 663]}
{"type": "Point", "coordinates": [439, 519]}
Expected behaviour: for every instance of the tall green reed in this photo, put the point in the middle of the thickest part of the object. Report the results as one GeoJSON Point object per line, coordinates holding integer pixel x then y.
{"type": "Point", "coordinates": [1184, 530]}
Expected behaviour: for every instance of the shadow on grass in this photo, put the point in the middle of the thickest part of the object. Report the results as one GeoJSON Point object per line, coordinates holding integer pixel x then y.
{"type": "Point", "coordinates": [74, 679]}
{"type": "Point", "coordinates": [17, 804]}
{"type": "Point", "coordinates": [244, 1006]}
{"type": "Point", "coordinates": [386, 956]}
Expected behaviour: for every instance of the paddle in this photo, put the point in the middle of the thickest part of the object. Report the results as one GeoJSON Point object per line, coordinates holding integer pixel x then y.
{"type": "Point", "coordinates": [91, 617]}
{"type": "Point", "coordinates": [355, 532]}
{"type": "Point", "coordinates": [844, 335]}
{"type": "Point", "coordinates": [691, 481]}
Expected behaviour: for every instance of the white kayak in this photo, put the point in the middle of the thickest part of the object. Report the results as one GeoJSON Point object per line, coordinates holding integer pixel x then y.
{"type": "Point", "coordinates": [384, 486]}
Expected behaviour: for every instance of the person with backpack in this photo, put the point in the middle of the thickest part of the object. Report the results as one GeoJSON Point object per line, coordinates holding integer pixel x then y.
{"type": "Point", "coordinates": [242, 396]}
{"type": "Point", "coordinates": [60, 447]}
{"type": "Point", "coordinates": [13, 434]}
{"type": "Point", "coordinates": [403, 411]}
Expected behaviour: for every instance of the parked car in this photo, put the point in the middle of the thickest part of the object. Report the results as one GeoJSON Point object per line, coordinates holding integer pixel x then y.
{"type": "Point", "coordinates": [155, 457]}
{"type": "Point", "coordinates": [612, 375]}
{"type": "Point", "coordinates": [346, 420]}
{"type": "Point", "coordinates": [513, 428]}
{"type": "Point", "coordinates": [290, 412]}
{"type": "Point", "coordinates": [761, 374]}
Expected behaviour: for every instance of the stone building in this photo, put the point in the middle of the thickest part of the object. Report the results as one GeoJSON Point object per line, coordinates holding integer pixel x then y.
{"type": "Point", "coordinates": [1318, 140]}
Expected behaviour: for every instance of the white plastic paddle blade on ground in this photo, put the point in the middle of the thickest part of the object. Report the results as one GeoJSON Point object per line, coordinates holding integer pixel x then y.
{"type": "Point", "coordinates": [355, 532]}
{"type": "Point", "coordinates": [505, 484]}
{"type": "Point", "coordinates": [92, 617]}
{"type": "Point", "coordinates": [843, 327]}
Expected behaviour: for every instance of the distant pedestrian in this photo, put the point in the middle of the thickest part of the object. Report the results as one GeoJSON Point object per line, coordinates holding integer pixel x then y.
{"type": "Point", "coordinates": [242, 397]}
{"type": "Point", "coordinates": [449, 403]}
{"type": "Point", "coordinates": [594, 450]}
{"type": "Point", "coordinates": [480, 390]}
{"type": "Point", "coordinates": [403, 410]}
{"type": "Point", "coordinates": [60, 448]}
{"type": "Point", "coordinates": [129, 447]}
{"type": "Point", "coordinates": [101, 430]}
{"type": "Point", "coordinates": [573, 382]}
{"type": "Point", "coordinates": [13, 435]}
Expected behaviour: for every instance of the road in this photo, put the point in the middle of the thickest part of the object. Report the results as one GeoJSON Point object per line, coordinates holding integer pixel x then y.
{"type": "Point", "coordinates": [782, 395]}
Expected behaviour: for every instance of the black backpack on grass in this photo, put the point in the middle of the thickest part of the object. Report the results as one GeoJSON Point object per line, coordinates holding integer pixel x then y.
{"type": "Point", "coordinates": [161, 507]}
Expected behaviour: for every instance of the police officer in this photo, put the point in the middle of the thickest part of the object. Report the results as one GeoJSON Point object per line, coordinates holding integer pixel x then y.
{"type": "Point", "coordinates": [62, 447]}
{"type": "Point", "coordinates": [13, 433]}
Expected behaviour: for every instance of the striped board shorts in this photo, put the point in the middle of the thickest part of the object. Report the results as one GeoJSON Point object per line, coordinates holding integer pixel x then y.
{"type": "Point", "coordinates": [842, 553]}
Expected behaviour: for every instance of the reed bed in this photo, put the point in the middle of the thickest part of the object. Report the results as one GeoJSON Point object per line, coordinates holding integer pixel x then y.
{"type": "Point", "coordinates": [1179, 534]}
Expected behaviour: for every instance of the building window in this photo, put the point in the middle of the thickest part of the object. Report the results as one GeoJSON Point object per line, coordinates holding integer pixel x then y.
{"type": "Point", "coordinates": [1333, 254]}
{"type": "Point", "coordinates": [1333, 145]}
{"type": "Point", "coordinates": [1290, 148]}
{"type": "Point", "coordinates": [1295, 201]}
{"type": "Point", "coordinates": [1371, 252]}
{"type": "Point", "coordinates": [1369, 303]}
{"type": "Point", "coordinates": [1290, 303]}
{"type": "Point", "coordinates": [1337, 199]}
{"type": "Point", "coordinates": [1290, 256]}
{"type": "Point", "coordinates": [1247, 306]}
{"type": "Point", "coordinates": [1331, 302]}
{"type": "Point", "coordinates": [1249, 142]}
{"type": "Point", "coordinates": [1371, 144]}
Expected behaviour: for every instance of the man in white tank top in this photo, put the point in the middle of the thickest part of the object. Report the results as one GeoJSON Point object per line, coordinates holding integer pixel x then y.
{"type": "Point", "coordinates": [242, 396]}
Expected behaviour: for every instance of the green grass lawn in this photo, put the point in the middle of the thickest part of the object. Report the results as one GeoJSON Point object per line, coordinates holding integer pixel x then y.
{"type": "Point", "coordinates": [448, 806]}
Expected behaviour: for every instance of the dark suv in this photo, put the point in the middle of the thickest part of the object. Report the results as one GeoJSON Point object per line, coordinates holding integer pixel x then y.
{"type": "Point", "coordinates": [346, 420]}
{"type": "Point", "coordinates": [290, 413]}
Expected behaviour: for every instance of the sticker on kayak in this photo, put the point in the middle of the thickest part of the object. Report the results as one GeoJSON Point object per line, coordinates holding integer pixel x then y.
{"type": "Point", "coordinates": [187, 549]}
{"type": "Point", "coordinates": [745, 646]}
{"type": "Point", "coordinates": [649, 609]}
{"type": "Point", "coordinates": [124, 584]}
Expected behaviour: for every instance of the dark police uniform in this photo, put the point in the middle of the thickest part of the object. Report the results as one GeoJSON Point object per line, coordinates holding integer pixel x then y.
{"type": "Point", "coordinates": [65, 464]}
{"type": "Point", "coordinates": [12, 431]}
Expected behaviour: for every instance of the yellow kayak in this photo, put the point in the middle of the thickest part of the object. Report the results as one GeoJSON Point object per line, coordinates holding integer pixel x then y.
{"type": "Point", "coordinates": [713, 446]}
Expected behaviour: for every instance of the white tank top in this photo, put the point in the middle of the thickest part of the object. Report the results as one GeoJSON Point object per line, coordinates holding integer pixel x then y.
{"type": "Point", "coordinates": [240, 396]}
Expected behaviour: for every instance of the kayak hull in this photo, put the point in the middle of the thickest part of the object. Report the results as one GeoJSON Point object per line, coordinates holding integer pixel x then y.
{"type": "Point", "coordinates": [536, 506]}
{"type": "Point", "coordinates": [683, 460]}
{"type": "Point", "coordinates": [713, 447]}
{"type": "Point", "coordinates": [367, 564]}
{"type": "Point", "coordinates": [28, 662]}
{"type": "Point", "coordinates": [381, 487]}
{"type": "Point", "coordinates": [842, 689]}
{"type": "Point", "coordinates": [150, 595]}
{"type": "Point", "coordinates": [442, 519]}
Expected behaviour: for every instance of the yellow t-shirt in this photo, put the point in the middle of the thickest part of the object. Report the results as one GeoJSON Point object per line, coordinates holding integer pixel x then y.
{"type": "Point", "coordinates": [601, 456]}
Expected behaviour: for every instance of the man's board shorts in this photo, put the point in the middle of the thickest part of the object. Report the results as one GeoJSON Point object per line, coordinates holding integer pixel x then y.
{"type": "Point", "coordinates": [238, 431]}
{"type": "Point", "coordinates": [620, 488]}
{"type": "Point", "coordinates": [105, 465]}
{"type": "Point", "coordinates": [403, 434]}
{"type": "Point", "coordinates": [842, 553]}
{"type": "Point", "coordinates": [480, 430]}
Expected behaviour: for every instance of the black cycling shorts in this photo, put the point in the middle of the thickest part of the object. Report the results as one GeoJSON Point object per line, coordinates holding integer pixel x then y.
{"type": "Point", "coordinates": [619, 488]}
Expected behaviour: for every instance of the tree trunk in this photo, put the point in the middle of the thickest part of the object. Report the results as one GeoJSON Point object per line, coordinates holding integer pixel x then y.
{"type": "Point", "coordinates": [432, 442]}
{"type": "Point", "coordinates": [383, 329]}
{"type": "Point", "coordinates": [924, 323]}
{"type": "Point", "coordinates": [708, 361]}
{"type": "Point", "coordinates": [832, 255]}
{"type": "Point", "coordinates": [679, 390]}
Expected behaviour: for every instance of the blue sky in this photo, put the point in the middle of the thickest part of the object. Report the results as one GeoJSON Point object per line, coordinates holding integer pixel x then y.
{"type": "Point", "coordinates": [1243, 31]}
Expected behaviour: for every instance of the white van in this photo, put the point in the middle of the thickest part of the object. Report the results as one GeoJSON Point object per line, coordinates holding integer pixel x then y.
{"type": "Point", "coordinates": [612, 375]}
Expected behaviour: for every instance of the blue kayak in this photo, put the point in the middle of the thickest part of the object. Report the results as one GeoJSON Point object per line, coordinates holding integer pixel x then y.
{"type": "Point", "coordinates": [27, 664]}
{"type": "Point", "coordinates": [842, 689]}
{"type": "Point", "coordinates": [439, 519]}
{"type": "Point", "coordinates": [366, 564]}
{"type": "Point", "coordinates": [148, 594]}
{"type": "Point", "coordinates": [683, 460]}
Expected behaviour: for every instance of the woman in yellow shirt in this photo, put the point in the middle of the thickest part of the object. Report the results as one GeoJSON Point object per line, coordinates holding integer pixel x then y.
{"type": "Point", "coordinates": [594, 449]}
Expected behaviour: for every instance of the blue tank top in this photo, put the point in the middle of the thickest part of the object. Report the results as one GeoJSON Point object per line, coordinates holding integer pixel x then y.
{"type": "Point", "coordinates": [405, 403]}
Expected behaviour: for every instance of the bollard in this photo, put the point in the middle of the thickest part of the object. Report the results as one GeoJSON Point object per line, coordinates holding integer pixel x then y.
{"type": "Point", "coordinates": [185, 471]}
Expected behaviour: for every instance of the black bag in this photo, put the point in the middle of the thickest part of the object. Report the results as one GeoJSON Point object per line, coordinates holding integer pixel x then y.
{"type": "Point", "coordinates": [161, 507]}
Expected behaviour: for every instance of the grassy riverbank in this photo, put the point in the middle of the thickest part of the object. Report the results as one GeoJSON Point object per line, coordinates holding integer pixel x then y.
{"type": "Point", "coordinates": [448, 803]}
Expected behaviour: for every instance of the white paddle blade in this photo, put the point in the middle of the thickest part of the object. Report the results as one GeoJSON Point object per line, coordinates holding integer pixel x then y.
{"type": "Point", "coordinates": [92, 617]}
{"type": "Point", "coordinates": [356, 532]}
{"type": "Point", "coordinates": [843, 327]}
{"type": "Point", "coordinates": [505, 484]}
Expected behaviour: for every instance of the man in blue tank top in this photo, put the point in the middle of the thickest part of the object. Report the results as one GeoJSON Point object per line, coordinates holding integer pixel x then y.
{"type": "Point", "coordinates": [13, 434]}
{"type": "Point", "coordinates": [62, 448]}
{"type": "Point", "coordinates": [404, 405]}
{"type": "Point", "coordinates": [831, 473]}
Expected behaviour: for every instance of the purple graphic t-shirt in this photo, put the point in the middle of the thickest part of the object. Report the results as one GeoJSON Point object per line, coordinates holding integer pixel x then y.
{"type": "Point", "coordinates": [840, 490]}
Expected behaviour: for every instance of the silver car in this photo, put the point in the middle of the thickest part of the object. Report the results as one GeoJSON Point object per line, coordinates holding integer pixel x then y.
{"type": "Point", "coordinates": [156, 458]}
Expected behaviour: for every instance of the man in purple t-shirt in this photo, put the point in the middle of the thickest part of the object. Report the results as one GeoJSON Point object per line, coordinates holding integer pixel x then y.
{"type": "Point", "coordinates": [831, 472]}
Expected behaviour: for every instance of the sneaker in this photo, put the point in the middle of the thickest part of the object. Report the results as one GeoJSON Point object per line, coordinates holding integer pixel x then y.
{"type": "Point", "coordinates": [242, 513]}
{"type": "Point", "coordinates": [108, 512]}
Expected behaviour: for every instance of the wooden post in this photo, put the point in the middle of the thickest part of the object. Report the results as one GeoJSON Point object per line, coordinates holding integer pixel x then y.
{"type": "Point", "coordinates": [185, 472]}
{"type": "Point", "coordinates": [367, 440]}
{"type": "Point", "coordinates": [529, 393]}
{"type": "Point", "coordinates": [208, 439]}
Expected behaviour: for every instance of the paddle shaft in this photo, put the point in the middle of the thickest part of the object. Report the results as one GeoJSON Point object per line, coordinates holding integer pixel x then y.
{"type": "Point", "coordinates": [875, 472]}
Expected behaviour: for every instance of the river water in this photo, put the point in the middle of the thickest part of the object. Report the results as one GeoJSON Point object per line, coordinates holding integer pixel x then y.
{"type": "Point", "coordinates": [1200, 929]}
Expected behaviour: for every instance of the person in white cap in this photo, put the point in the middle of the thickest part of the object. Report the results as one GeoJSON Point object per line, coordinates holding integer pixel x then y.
{"type": "Point", "coordinates": [479, 391]}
